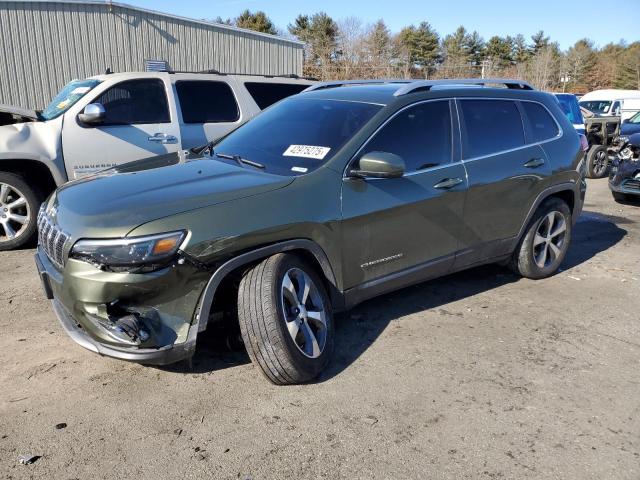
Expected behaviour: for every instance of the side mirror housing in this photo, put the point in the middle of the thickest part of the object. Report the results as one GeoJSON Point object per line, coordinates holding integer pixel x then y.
{"type": "Point", "coordinates": [379, 165]}
{"type": "Point", "coordinates": [93, 114]}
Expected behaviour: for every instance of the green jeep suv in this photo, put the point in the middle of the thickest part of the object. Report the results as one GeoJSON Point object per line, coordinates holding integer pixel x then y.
{"type": "Point", "coordinates": [341, 193]}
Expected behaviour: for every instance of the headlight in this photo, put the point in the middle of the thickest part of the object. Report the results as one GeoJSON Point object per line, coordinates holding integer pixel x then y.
{"type": "Point", "coordinates": [125, 254]}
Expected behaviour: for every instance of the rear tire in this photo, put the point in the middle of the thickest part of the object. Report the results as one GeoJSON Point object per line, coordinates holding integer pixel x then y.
{"type": "Point", "coordinates": [545, 242]}
{"type": "Point", "coordinates": [19, 204]}
{"type": "Point", "coordinates": [285, 319]}
{"type": "Point", "coordinates": [597, 162]}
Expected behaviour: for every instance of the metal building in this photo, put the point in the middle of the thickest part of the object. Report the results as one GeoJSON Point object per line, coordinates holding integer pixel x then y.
{"type": "Point", "coordinates": [44, 44]}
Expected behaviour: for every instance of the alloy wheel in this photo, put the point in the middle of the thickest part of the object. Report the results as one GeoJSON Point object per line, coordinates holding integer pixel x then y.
{"type": "Point", "coordinates": [14, 213]}
{"type": "Point", "coordinates": [304, 312]}
{"type": "Point", "coordinates": [600, 163]}
{"type": "Point", "coordinates": [549, 239]}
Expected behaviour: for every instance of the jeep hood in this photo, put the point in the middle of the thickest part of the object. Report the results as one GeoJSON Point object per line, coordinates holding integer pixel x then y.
{"type": "Point", "coordinates": [114, 202]}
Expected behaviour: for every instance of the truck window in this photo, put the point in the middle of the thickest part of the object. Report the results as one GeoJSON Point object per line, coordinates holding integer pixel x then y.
{"type": "Point", "coordinates": [490, 126]}
{"type": "Point", "coordinates": [135, 102]}
{"type": "Point", "coordinates": [266, 94]}
{"type": "Point", "coordinates": [203, 101]}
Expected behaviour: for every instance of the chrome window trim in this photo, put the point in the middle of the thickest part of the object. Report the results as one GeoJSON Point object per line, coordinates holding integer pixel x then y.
{"type": "Point", "coordinates": [380, 127]}
{"type": "Point", "coordinates": [515, 149]}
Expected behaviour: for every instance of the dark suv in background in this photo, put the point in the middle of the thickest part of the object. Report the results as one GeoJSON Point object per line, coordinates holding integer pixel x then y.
{"type": "Point", "coordinates": [341, 193]}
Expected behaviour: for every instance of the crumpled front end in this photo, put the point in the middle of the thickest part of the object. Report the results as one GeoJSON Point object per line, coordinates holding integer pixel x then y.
{"type": "Point", "coordinates": [624, 176]}
{"type": "Point", "coordinates": [148, 317]}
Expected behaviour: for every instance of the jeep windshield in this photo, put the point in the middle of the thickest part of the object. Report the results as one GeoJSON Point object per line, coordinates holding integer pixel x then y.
{"type": "Point", "coordinates": [599, 107]}
{"type": "Point", "coordinates": [297, 135]}
{"type": "Point", "coordinates": [68, 96]}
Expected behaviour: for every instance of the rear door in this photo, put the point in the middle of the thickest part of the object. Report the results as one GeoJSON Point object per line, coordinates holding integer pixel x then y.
{"type": "Point", "coordinates": [507, 169]}
{"type": "Point", "coordinates": [138, 124]}
{"type": "Point", "coordinates": [208, 110]}
{"type": "Point", "coordinates": [399, 225]}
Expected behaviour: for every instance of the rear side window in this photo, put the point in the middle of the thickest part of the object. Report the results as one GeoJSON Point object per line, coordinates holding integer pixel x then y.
{"type": "Point", "coordinates": [491, 126]}
{"type": "Point", "coordinates": [421, 135]}
{"type": "Point", "coordinates": [542, 126]}
{"type": "Point", "coordinates": [135, 102]}
{"type": "Point", "coordinates": [203, 101]}
{"type": "Point", "coordinates": [266, 94]}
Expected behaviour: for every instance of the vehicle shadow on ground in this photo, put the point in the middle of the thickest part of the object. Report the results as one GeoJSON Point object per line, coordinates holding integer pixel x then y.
{"type": "Point", "coordinates": [359, 328]}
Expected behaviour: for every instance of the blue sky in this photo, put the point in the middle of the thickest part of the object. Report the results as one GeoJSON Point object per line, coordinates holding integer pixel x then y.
{"type": "Point", "coordinates": [564, 21]}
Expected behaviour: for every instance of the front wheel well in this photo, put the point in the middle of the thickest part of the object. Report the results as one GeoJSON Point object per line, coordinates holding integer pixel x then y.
{"type": "Point", "coordinates": [34, 173]}
{"type": "Point", "coordinates": [225, 297]}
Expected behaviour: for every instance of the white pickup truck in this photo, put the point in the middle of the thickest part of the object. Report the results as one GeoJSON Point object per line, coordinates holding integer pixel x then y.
{"type": "Point", "coordinates": [110, 119]}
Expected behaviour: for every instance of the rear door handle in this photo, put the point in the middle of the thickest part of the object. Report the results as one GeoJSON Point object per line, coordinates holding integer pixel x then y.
{"type": "Point", "coordinates": [448, 183]}
{"type": "Point", "coordinates": [534, 163]}
{"type": "Point", "coordinates": [163, 138]}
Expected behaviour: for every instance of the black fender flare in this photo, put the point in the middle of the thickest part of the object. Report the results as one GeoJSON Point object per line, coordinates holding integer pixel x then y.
{"type": "Point", "coordinates": [206, 299]}
{"type": "Point", "coordinates": [546, 193]}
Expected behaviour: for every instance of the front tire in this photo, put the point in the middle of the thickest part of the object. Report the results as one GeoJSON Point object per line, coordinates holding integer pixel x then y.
{"type": "Point", "coordinates": [546, 241]}
{"type": "Point", "coordinates": [597, 162]}
{"type": "Point", "coordinates": [285, 319]}
{"type": "Point", "coordinates": [19, 204]}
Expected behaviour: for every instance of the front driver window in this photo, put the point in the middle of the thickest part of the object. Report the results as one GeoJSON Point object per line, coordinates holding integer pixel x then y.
{"type": "Point", "coordinates": [421, 135]}
{"type": "Point", "coordinates": [135, 102]}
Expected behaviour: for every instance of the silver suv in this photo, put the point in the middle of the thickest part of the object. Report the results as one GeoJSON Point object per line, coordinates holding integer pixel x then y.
{"type": "Point", "coordinates": [111, 119]}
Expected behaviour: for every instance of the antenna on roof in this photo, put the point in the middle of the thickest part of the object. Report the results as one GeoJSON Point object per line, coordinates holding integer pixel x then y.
{"type": "Point", "coordinates": [108, 71]}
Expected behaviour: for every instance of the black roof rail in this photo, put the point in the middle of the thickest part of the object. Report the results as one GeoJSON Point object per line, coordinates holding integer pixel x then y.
{"type": "Point", "coordinates": [217, 72]}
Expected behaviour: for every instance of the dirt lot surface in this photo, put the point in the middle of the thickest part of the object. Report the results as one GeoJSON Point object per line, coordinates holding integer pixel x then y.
{"type": "Point", "coordinates": [477, 375]}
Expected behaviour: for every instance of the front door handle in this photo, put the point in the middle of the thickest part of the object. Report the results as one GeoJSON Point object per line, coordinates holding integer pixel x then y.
{"type": "Point", "coordinates": [163, 138]}
{"type": "Point", "coordinates": [534, 163]}
{"type": "Point", "coordinates": [448, 183]}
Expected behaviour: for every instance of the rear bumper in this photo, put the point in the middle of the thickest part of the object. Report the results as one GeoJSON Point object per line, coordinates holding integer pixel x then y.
{"type": "Point", "coordinates": [78, 329]}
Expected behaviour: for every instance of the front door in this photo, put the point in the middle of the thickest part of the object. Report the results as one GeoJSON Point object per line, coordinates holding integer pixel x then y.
{"type": "Point", "coordinates": [137, 125]}
{"type": "Point", "coordinates": [398, 227]}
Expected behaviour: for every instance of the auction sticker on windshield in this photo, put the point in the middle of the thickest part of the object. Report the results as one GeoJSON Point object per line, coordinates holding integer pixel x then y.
{"type": "Point", "coordinates": [306, 151]}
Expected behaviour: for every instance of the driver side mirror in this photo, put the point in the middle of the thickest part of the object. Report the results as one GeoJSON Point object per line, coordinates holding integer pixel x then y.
{"type": "Point", "coordinates": [379, 165]}
{"type": "Point", "coordinates": [93, 114]}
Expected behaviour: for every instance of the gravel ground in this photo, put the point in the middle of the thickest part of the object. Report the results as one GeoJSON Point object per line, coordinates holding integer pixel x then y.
{"type": "Point", "coordinates": [476, 375]}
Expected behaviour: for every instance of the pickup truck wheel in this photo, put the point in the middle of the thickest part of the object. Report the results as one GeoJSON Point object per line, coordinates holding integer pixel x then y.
{"type": "Point", "coordinates": [19, 205]}
{"type": "Point", "coordinates": [285, 319]}
{"type": "Point", "coordinates": [597, 162]}
{"type": "Point", "coordinates": [545, 243]}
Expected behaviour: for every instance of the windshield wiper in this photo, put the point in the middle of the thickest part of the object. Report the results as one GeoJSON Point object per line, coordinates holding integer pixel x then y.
{"type": "Point", "coordinates": [239, 160]}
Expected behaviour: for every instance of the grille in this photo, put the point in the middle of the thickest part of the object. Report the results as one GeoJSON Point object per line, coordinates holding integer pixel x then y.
{"type": "Point", "coordinates": [51, 239]}
{"type": "Point", "coordinates": [631, 184]}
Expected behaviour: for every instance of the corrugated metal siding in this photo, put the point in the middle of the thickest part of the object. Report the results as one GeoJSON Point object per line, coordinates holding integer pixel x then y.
{"type": "Point", "coordinates": [44, 45]}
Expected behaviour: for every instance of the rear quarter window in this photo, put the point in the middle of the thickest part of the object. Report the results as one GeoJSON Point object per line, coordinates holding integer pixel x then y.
{"type": "Point", "coordinates": [266, 94]}
{"type": "Point", "coordinates": [542, 126]}
{"type": "Point", "coordinates": [204, 101]}
{"type": "Point", "coordinates": [490, 126]}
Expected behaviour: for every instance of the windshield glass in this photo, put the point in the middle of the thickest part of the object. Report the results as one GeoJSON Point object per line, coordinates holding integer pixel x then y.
{"type": "Point", "coordinates": [297, 135]}
{"type": "Point", "coordinates": [68, 96]}
{"type": "Point", "coordinates": [569, 105]}
{"type": "Point", "coordinates": [635, 118]}
{"type": "Point", "coordinates": [596, 106]}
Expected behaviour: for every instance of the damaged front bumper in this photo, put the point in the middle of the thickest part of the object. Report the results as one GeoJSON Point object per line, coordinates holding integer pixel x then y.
{"type": "Point", "coordinates": [159, 309]}
{"type": "Point", "coordinates": [624, 177]}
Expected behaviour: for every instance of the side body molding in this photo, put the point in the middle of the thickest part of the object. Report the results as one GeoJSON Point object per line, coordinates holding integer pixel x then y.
{"type": "Point", "coordinates": [204, 308]}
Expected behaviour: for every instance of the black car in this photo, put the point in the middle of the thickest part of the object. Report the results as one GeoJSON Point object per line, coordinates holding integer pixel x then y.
{"type": "Point", "coordinates": [624, 176]}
